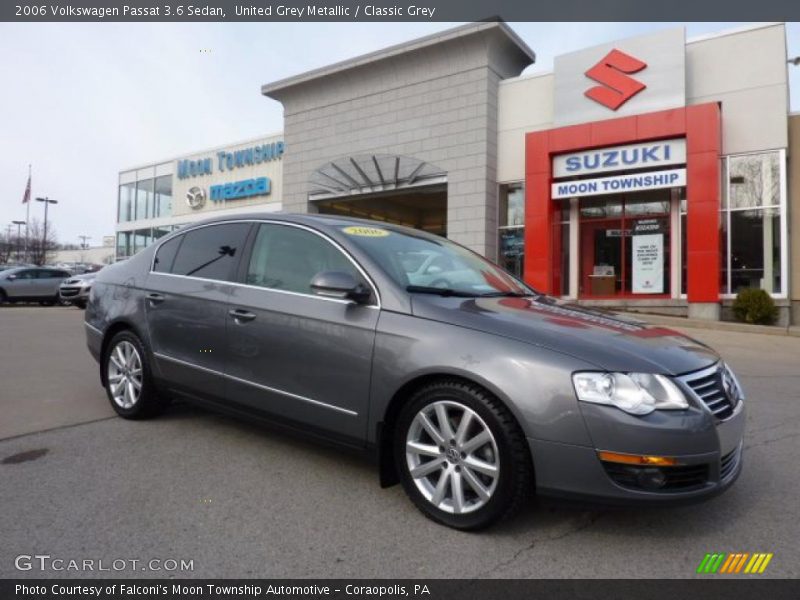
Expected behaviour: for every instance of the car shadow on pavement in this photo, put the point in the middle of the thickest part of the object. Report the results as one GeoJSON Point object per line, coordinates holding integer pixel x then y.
{"type": "Point", "coordinates": [542, 520]}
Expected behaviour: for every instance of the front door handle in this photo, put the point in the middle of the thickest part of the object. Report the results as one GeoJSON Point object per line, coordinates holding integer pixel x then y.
{"type": "Point", "coordinates": [241, 316]}
{"type": "Point", "coordinates": [154, 298]}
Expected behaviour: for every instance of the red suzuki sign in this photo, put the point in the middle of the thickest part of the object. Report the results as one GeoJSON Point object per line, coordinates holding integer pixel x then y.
{"type": "Point", "coordinates": [633, 76]}
{"type": "Point", "coordinates": [612, 72]}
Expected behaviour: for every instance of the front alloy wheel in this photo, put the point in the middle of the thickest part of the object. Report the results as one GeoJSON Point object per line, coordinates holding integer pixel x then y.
{"type": "Point", "coordinates": [461, 456]}
{"type": "Point", "coordinates": [452, 457]}
{"type": "Point", "coordinates": [127, 378]}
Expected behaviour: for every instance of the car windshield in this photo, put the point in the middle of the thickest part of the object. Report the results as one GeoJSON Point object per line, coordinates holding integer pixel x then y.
{"type": "Point", "coordinates": [424, 264]}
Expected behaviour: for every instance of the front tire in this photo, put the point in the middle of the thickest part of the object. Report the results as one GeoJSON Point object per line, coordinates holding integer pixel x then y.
{"type": "Point", "coordinates": [461, 456]}
{"type": "Point", "coordinates": [128, 378]}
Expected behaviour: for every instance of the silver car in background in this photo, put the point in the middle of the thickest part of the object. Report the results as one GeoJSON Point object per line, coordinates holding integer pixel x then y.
{"type": "Point", "coordinates": [75, 290]}
{"type": "Point", "coordinates": [472, 389]}
{"type": "Point", "coordinates": [31, 284]}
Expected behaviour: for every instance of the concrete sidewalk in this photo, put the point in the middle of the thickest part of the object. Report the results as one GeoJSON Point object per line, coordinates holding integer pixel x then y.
{"type": "Point", "coordinates": [670, 321]}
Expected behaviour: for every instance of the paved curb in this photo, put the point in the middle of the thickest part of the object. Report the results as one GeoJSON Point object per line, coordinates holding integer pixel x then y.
{"type": "Point", "coordinates": [793, 331]}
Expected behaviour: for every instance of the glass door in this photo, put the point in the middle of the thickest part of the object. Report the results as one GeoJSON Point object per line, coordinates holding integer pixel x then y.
{"type": "Point", "coordinates": [625, 245]}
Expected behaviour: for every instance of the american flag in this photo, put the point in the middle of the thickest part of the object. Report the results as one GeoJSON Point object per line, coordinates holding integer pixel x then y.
{"type": "Point", "coordinates": [27, 197]}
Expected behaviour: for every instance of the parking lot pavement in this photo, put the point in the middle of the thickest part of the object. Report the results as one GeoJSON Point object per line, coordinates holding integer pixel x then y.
{"type": "Point", "coordinates": [47, 376]}
{"type": "Point", "coordinates": [242, 500]}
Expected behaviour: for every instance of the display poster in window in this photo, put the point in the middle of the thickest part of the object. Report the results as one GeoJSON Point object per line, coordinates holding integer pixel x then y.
{"type": "Point", "coordinates": [648, 263]}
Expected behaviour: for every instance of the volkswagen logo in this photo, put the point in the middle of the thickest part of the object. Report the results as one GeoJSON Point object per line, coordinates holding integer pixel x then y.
{"type": "Point", "coordinates": [196, 197]}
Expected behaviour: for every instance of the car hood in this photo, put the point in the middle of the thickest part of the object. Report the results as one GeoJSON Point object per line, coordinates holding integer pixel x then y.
{"type": "Point", "coordinates": [596, 336]}
{"type": "Point", "coordinates": [79, 278]}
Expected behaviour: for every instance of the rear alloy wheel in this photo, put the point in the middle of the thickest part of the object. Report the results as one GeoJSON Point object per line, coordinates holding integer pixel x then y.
{"type": "Point", "coordinates": [127, 378]}
{"type": "Point", "coordinates": [461, 456]}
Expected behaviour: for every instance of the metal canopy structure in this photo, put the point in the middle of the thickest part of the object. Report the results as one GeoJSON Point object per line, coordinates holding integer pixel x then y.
{"type": "Point", "coordinates": [371, 173]}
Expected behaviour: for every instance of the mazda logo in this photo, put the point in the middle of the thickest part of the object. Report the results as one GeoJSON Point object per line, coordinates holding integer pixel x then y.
{"type": "Point", "coordinates": [196, 197]}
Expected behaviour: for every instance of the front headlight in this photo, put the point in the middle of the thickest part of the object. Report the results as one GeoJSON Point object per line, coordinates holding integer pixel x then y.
{"type": "Point", "coordinates": [635, 393]}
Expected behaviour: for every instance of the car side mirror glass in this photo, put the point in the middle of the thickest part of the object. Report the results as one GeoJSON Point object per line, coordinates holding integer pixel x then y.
{"type": "Point", "coordinates": [11, 277]}
{"type": "Point", "coordinates": [339, 285]}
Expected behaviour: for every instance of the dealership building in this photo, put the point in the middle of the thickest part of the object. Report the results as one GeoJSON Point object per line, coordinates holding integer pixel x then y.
{"type": "Point", "coordinates": [654, 173]}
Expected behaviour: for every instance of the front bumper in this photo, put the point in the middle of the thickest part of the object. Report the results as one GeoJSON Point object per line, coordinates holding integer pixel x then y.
{"type": "Point", "coordinates": [74, 293]}
{"type": "Point", "coordinates": [709, 452]}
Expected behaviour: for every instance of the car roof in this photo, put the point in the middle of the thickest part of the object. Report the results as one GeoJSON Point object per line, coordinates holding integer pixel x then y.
{"type": "Point", "coordinates": [328, 222]}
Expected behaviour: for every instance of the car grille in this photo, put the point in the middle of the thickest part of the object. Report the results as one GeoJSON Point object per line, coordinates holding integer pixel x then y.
{"type": "Point", "coordinates": [681, 479]}
{"type": "Point", "coordinates": [728, 464]}
{"type": "Point", "coordinates": [67, 292]}
{"type": "Point", "coordinates": [708, 386]}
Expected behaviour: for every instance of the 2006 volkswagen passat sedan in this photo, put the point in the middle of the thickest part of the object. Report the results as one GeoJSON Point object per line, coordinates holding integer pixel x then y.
{"type": "Point", "coordinates": [472, 388]}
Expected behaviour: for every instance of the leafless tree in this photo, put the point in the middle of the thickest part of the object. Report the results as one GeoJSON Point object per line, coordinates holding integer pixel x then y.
{"type": "Point", "coordinates": [6, 247]}
{"type": "Point", "coordinates": [40, 251]}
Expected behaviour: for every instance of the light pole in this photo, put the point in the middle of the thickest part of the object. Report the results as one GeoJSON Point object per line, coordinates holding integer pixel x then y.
{"type": "Point", "coordinates": [19, 224]}
{"type": "Point", "coordinates": [83, 239]}
{"type": "Point", "coordinates": [47, 201]}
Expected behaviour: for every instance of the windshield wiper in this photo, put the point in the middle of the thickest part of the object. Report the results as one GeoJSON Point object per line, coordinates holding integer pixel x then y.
{"type": "Point", "coordinates": [507, 294]}
{"type": "Point", "coordinates": [425, 289]}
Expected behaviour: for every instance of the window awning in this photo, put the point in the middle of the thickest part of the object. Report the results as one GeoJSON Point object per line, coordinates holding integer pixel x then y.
{"type": "Point", "coordinates": [371, 173]}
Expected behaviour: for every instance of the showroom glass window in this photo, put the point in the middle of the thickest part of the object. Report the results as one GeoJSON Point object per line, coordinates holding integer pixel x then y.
{"type": "Point", "coordinates": [123, 244]}
{"type": "Point", "coordinates": [127, 202]}
{"type": "Point", "coordinates": [144, 199]}
{"type": "Point", "coordinates": [754, 222]}
{"type": "Point", "coordinates": [511, 221]}
{"type": "Point", "coordinates": [162, 198]}
{"type": "Point", "coordinates": [287, 258]}
{"type": "Point", "coordinates": [211, 252]}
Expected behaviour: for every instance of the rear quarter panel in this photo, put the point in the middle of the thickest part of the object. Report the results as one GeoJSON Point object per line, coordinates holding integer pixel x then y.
{"type": "Point", "coordinates": [117, 296]}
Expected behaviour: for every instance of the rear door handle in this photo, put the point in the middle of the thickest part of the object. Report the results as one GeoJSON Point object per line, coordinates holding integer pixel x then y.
{"type": "Point", "coordinates": [241, 316]}
{"type": "Point", "coordinates": [155, 298]}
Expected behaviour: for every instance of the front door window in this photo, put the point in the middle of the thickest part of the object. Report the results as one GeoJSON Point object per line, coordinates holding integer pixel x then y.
{"type": "Point", "coordinates": [625, 245]}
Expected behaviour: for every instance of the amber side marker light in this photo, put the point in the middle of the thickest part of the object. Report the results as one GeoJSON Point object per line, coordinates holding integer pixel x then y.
{"type": "Point", "coordinates": [638, 459]}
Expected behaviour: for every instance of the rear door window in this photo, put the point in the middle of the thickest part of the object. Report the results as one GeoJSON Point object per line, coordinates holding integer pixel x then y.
{"type": "Point", "coordinates": [166, 255]}
{"type": "Point", "coordinates": [211, 252]}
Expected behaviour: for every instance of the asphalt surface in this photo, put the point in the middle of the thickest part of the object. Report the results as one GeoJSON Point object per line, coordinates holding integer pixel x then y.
{"type": "Point", "coordinates": [250, 501]}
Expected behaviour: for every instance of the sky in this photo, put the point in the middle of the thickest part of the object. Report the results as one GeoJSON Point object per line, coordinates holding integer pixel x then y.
{"type": "Point", "coordinates": [82, 102]}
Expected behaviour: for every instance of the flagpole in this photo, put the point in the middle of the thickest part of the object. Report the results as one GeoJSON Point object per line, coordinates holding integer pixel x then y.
{"type": "Point", "coordinates": [27, 216]}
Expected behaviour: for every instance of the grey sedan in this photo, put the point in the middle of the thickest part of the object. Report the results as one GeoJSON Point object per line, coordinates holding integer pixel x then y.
{"type": "Point", "coordinates": [472, 389]}
{"type": "Point", "coordinates": [26, 284]}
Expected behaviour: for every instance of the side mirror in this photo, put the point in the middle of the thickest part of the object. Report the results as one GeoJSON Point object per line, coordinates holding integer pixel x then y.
{"type": "Point", "coordinates": [340, 285]}
{"type": "Point", "coordinates": [11, 277]}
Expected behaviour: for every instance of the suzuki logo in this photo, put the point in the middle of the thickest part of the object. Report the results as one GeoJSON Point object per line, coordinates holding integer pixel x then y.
{"type": "Point", "coordinates": [612, 72]}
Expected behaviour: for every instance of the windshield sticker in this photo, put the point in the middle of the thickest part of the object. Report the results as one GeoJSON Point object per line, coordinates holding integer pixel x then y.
{"type": "Point", "coordinates": [365, 231]}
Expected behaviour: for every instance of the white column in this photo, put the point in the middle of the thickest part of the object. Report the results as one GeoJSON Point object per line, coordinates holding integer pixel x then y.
{"type": "Point", "coordinates": [574, 248]}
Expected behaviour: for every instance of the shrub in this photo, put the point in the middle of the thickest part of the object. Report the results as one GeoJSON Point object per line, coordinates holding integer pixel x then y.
{"type": "Point", "coordinates": [754, 305]}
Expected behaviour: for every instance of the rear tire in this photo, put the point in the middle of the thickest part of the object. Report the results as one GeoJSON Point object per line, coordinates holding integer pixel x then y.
{"type": "Point", "coordinates": [479, 450]}
{"type": "Point", "coordinates": [50, 302]}
{"type": "Point", "coordinates": [128, 378]}
{"type": "Point", "coordinates": [3, 297]}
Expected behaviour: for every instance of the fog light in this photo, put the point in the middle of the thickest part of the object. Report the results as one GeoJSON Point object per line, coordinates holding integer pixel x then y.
{"type": "Point", "coordinates": [638, 459]}
{"type": "Point", "coordinates": [651, 479]}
